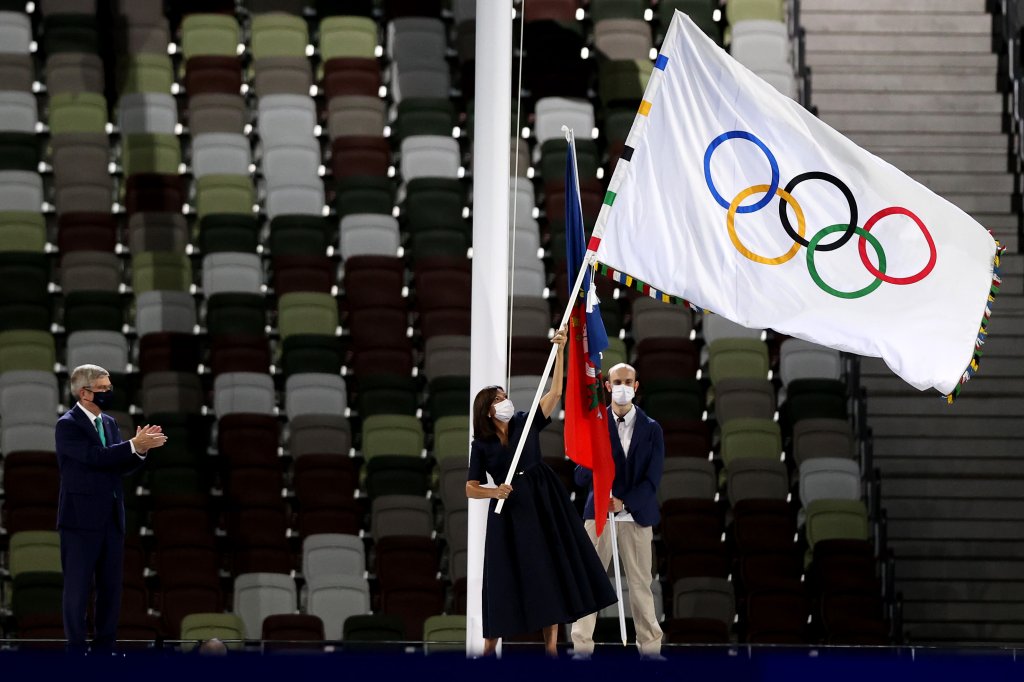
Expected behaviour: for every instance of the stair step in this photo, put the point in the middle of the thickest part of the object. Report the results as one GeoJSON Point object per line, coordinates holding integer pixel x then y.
{"type": "Point", "coordinates": [970, 612]}
{"type": "Point", "coordinates": [901, 25]}
{"type": "Point", "coordinates": [970, 203]}
{"type": "Point", "coordinates": [975, 466]}
{"type": "Point", "coordinates": [950, 143]}
{"type": "Point", "coordinates": [959, 569]}
{"type": "Point", "coordinates": [895, 43]}
{"type": "Point", "coordinates": [904, 83]}
{"type": "Point", "coordinates": [946, 446]}
{"type": "Point", "coordinates": [953, 488]}
{"type": "Point", "coordinates": [887, 7]}
{"type": "Point", "coordinates": [983, 384]}
{"type": "Point", "coordinates": [997, 221]}
{"type": "Point", "coordinates": [975, 183]}
{"type": "Point", "coordinates": [972, 408]}
{"type": "Point", "coordinates": [856, 62]}
{"type": "Point", "coordinates": [920, 590]}
{"type": "Point", "coordinates": [934, 122]}
{"type": "Point", "coordinates": [960, 552]}
{"type": "Point", "coordinates": [1008, 326]}
{"type": "Point", "coordinates": [828, 100]}
{"type": "Point", "coordinates": [965, 633]}
{"type": "Point", "coordinates": [938, 510]}
{"type": "Point", "coordinates": [959, 529]}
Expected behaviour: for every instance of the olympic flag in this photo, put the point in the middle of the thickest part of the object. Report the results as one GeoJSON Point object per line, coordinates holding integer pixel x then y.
{"type": "Point", "coordinates": [735, 198]}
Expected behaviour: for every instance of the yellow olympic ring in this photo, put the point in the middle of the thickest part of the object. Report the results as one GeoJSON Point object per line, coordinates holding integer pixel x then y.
{"type": "Point", "coordinates": [730, 221]}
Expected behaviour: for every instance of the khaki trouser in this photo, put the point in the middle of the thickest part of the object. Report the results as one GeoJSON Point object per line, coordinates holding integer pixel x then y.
{"type": "Point", "coordinates": [635, 556]}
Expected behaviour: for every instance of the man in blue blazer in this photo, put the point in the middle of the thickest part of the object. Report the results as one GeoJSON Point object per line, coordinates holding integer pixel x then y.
{"type": "Point", "coordinates": [638, 448]}
{"type": "Point", "coordinates": [90, 513]}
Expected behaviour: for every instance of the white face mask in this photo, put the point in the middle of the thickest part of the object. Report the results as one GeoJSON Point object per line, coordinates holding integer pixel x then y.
{"type": "Point", "coordinates": [622, 394]}
{"type": "Point", "coordinates": [504, 410]}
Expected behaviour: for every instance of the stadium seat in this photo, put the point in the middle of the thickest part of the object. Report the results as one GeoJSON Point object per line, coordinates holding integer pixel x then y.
{"type": "Point", "coordinates": [259, 595]}
{"type": "Point", "coordinates": [334, 598]}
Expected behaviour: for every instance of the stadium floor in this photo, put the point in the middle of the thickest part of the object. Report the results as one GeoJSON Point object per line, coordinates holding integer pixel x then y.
{"type": "Point", "coordinates": [834, 664]}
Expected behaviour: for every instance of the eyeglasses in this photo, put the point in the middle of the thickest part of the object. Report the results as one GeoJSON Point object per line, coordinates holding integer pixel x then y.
{"type": "Point", "coordinates": [102, 389]}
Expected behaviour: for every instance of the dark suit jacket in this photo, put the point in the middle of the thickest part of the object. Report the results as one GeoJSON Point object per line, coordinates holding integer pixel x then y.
{"type": "Point", "coordinates": [90, 474]}
{"type": "Point", "coordinates": [637, 475]}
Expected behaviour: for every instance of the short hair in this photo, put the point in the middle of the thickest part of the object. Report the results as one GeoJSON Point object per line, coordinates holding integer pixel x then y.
{"type": "Point", "coordinates": [483, 427]}
{"type": "Point", "coordinates": [621, 365]}
{"type": "Point", "coordinates": [84, 375]}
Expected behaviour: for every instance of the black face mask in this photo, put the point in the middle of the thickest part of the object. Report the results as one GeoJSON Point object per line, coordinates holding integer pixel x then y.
{"type": "Point", "coordinates": [103, 399]}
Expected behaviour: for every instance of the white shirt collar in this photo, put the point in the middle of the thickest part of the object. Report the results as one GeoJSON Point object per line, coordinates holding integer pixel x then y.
{"type": "Point", "coordinates": [628, 418]}
{"type": "Point", "coordinates": [90, 415]}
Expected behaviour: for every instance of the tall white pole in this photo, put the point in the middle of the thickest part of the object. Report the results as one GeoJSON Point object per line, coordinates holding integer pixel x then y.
{"type": "Point", "coordinates": [491, 127]}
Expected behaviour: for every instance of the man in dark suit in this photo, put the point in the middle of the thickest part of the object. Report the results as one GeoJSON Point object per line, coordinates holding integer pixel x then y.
{"type": "Point", "coordinates": [90, 515]}
{"type": "Point", "coordinates": [638, 448]}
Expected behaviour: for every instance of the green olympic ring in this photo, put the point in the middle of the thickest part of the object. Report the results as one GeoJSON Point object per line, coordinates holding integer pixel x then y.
{"type": "Point", "coordinates": [864, 234]}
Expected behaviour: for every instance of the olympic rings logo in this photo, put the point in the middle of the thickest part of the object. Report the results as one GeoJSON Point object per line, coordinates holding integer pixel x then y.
{"type": "Point", "coordinates": [798, 235]}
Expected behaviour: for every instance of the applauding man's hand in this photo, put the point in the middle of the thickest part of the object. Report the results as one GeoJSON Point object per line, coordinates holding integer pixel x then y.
{"type": "Point", "coordinates": [148, 437]}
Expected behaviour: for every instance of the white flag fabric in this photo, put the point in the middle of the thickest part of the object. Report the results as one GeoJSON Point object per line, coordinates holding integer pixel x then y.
{"type": "Point", "coordinates": [735, 198]}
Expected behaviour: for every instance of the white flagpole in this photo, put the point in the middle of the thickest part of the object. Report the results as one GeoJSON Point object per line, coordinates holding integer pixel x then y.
{"type": "Point", "coordinates": [618, 577]}
{"type": "Point", "coordinates": [588, 261]}
{"type": "Point", "coordinates": [489, 327]}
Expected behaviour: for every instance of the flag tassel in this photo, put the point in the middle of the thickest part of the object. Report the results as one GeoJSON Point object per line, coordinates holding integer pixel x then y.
{"type": "Point", "coordinates": [972, 367]}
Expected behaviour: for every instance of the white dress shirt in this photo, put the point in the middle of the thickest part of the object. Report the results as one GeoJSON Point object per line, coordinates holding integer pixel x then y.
{"type": "Point", "coordinates": [625, 428]}
{"type": "Point", "coordinates": [92, 420]}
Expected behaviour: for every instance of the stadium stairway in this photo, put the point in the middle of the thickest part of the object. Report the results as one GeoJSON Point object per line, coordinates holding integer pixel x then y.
{"type": "Point", "coordinates": [916, 82]}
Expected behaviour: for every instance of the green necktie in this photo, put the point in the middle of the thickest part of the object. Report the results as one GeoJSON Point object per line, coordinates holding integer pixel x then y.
{"type": "Point", "coordinates": [99, 430]}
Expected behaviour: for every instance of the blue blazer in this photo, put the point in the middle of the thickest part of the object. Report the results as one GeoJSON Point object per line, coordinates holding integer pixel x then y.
{"type": "Point", "coordinates": [90, 474]}
{"type": "Point", "coordinates": [637, 475]}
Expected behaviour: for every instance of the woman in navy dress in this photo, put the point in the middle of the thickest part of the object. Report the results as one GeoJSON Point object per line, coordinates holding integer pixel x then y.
{"type": "Point", "coordinates": [540, 567]}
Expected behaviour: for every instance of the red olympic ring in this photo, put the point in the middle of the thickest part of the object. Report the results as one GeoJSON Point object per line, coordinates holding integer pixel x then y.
{"type": "Point", "coordinates": [862, 247]}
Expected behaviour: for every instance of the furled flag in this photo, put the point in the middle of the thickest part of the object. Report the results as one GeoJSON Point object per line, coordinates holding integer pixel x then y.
{"type": "Point", "coordinates": [587, 440]}
{"type": "Point", "coordinates": [734, 197]}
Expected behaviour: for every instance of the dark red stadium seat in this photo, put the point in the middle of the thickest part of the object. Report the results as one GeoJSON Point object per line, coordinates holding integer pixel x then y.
{"type": "Point", "coordinates": [394, 9]}
{"type": "Point", "coordinates": [374, 282]}
{"type": "Point", "coordinates": [248, 440]}
{"type": "Point", "coordinates": [764, 526]}
{"type": "Point", "coordinates": [529, 354]}
{"type": "Point", "coordinates": [552, 10]}
{"type": "Point", "coordinates": [249, 488]}
{"type": "Point", "coordinates": [152, 192]}
{"type": "Point", "coordinates": [360, 155]}
{"type": "Point", "coordinates": [293, 631]}
{"type": "Point", "coordinates": [383, 361]}
{"type": "Point", "coordinates": [378, 328]}
{"type": "Point", "coordinates": [86, 232]}
{"type": "Point", "coordinates": [351, 76]}
{"type": "Point", "coordinates": [695, 631]}
{"type": "Point", "coordinates": [204, 75]}
{"type": "Point", "coordinates": [324, 481]}
{"type": "Point", "coordinates": [303, 273]}
{"type": "Point", "coordinates": [168, 352]}
{"type": "Point", "coordinates": [183, 528]}
{"type": "Point", "coordinates": [406, 561]}
{"type": "Point", "coordinates": [777, 616]}
{"type": "Point", "coordinates": [686, 438]}
{"type": "Point", "coordinates": [413, 605]}
{"type": "Point", "coordinates": [667, 357]}
{"type": "Point", "coordinates": [179, 602]}
{"type": "Point", "coordinates": [236, 353]}
{"type": "Point", "coordinates": [339, 519]}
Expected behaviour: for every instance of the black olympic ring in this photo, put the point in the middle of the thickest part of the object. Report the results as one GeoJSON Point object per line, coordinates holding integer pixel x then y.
{"type": "Point", "coordinates": [841, 186]}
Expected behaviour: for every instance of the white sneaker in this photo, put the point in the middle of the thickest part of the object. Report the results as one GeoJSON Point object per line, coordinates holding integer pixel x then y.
{"type": "Point", "coordinates": [581, 656]}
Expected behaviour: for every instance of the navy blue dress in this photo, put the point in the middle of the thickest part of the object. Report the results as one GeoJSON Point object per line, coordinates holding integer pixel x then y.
{"type": "Point", "coordinates": [540, 567]}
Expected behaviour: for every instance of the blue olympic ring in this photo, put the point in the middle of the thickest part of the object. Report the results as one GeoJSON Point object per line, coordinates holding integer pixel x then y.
{"type": "Point", "coordinates": [743, 135]}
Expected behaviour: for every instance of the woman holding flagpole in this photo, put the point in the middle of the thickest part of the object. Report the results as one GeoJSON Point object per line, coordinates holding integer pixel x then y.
{"type": "Point", "coordinates": [540, 567]}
